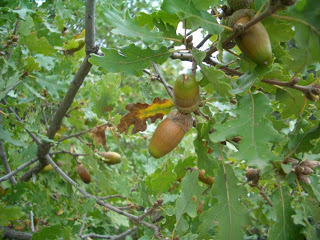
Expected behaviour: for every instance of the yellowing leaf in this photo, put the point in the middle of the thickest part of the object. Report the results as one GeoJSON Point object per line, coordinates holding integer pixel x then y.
{"type": "Point", "coordinates": [140, 112]}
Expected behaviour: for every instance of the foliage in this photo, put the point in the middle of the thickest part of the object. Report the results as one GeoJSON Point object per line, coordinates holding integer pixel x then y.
{"type": "Point", "coordinates": [263, 117]}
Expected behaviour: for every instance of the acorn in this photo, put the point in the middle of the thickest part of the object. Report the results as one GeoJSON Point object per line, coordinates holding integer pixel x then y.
{"type": "Point", "coordinates": [47, 168]}
{"type": "Point", "coordinates": [111, 158]}
{"type": "Point", "coordinates": [169, 133]}
{"type": "Point", "coordinates": [186, 96]}
{"type": "Point", "coordinates": [83, 173]}
{"type": "Point", "coordinates": [254, 42]}
{"type": "Point", "coordinates": [239, 4]}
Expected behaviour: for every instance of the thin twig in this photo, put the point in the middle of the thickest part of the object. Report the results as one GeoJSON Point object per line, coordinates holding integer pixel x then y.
{"type": "Point", "coordinates": [120, 236]}
{"type": "Point", "coordinates": [67, 152]}
{"type": "Point", "coordinates": [44, 117]}
{"type": "Point", "coordinates": [84, 216]}
{"type": "Point", "coordinates": [203, 41]}
{"type": "Point", "coordinates": [4, 158]}
{"type": "Point", "coordinates": [18, 169]}
{"type": "Point", "coordinates": [81, 133]}
{"type": "Point", "coordinates": [165, 84]}
{"type": "Point", "coordinates": [264, 195]}
{"type": "Point", "coordinates": [112, 196]}
{"type": "Point", "coordinates": [31, 222]}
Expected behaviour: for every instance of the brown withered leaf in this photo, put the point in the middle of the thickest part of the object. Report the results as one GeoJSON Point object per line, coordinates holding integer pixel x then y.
{"type": "Point", "coordinates": [99, 135]}
{"type": "Point", "coordinates": [140, 112]}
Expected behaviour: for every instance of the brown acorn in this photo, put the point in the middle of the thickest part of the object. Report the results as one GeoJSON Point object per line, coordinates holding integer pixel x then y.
{"type": "Point", "coordinates": [186, 96]}
{"type": "Point", "coordinates": [310, 164]}
{"type": "Point", "coordinates": [304, 178]}
{"type": "Point", "coordinates": [83, 173]}
{"type": "Point", "coordinates": [169, 133]}
{"type": "Point", "coordinates": [253, 176]}
{"type": "Point", "coordinates": [111, 158]}
{"type": "Point", "coordinates": [254, 42]}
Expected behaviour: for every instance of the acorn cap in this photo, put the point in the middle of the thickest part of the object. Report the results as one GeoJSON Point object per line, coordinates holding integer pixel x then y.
{"type": "Point", "coordinates": [239, 4]}
{"type": "Point", "coordinates": [184, 121]}
{"type": "Point", "coordinates": [239, 14]}
{"type": "Point", "coordinates": [186, 96]}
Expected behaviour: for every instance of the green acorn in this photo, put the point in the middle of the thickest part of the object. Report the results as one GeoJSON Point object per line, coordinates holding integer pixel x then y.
{"type": "Point", "coordinates": [254, 42]}
{"type": "Point", "coordinates": [169, 133]}
{"type": "Point", "coordinates": [239, 4]}
{"type": "Point", "coordinates": [186, 96]}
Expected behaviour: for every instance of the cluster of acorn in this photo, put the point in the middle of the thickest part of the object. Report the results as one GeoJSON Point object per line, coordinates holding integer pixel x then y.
{"type": "Point", "coordinates": [302, 169]}
{"type": "Point", "coordinates": [254, 42]}
{"type": "Point", "coordinates": [110, 158]}
{"type": "Point", "coordinates": [171, 130]}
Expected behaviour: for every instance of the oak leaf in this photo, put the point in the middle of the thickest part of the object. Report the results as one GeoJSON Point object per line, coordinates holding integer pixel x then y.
{"type": "Point", "coordinates": [140, 112]}
{"type": "Point", "coordinates": [99, 135]}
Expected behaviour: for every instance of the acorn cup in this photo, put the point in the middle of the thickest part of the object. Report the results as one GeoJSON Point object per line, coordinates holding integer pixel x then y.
{"type": "Point", "coordinates": [254, 42]}
{"type": "Point", "coordinates": [239, 4]}
{"type": "Point", "coordinates": [169, 133]}
{"type": "Point", "coordinates": [111, 158]}
{"type": "Point", "coordinates": [83, 173]}
{"type": "Point", "coordinates": [186, 96]}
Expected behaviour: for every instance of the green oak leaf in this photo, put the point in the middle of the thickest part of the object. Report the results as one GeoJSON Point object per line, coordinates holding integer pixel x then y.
{"type": "Point", "coordinates": [26, 26]}
{"type": "Point", "coordinates": [204, 5]}
{"type": "Point", "coordinates": [131, 59]}
{"type": "Point", "coordinates": [205, 161]}
{"type": "Point", "coordinates": [129, 28]}
{"type": "Point", "coordinates": [307, 214]}
{"type": "Point", "coordinates": [9, 213]}
{"type": "Point", "coordinates": [254, 128]}
{"type": "Point", "coordinates": [278, 30]}
{"type": "Point", "coordinates": [160, 181]}
{"type": "Point", "coordinates": [228, 214]}
{"type": "Point", "coordinates": [50, 232]}
{"type": "Point", "coordinates": [7, 137]}
{"type": "Point", "coordinates": [284, 228]}
{"type": "Point", "coordinates": [188, 200]}
{"type": "Point", "coordinates": [247, 80]}
{"type": "Point", "coordinates": [38, 45]}
{"type": "Point", "coordinates": [214, 80]}
{"type": "Point", "coordinates": [291, 102]}
{"type": "Point", "coordinates": [148, 19]}
{"type": "Point", "coordinates": [306, 138]}
{"type": "Point", "coordinates": [187, 11]}
{"type": "Point", "coordinates": [105, 94]}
